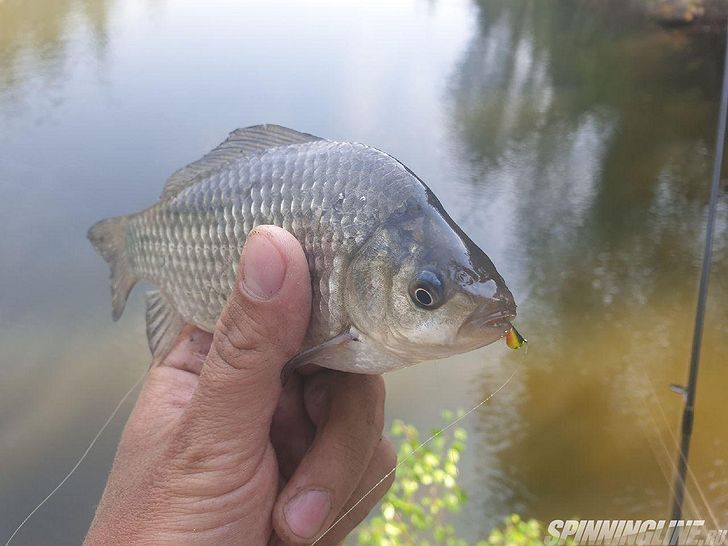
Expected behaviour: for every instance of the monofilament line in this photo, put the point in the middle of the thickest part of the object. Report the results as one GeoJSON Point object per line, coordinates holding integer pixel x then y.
{"type": "Point", "coordinates": [409, 456]}
{"type": "Point", "coordinates": [81, 459]}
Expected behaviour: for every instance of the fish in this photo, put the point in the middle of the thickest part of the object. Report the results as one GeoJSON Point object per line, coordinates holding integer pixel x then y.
{"type": "Point", "coordinates": [395, 281]}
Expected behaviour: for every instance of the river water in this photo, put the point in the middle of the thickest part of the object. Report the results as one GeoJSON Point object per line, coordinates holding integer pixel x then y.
{"type": "Point", "coordinates": [572, 141]}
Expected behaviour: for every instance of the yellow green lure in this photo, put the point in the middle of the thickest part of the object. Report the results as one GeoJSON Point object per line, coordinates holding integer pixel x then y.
{"type": "Point", "coordinates": [514, 340]}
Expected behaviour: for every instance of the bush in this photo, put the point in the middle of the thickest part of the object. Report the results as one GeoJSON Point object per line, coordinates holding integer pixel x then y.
{"type": "Point", "coordinates": [415, 510]}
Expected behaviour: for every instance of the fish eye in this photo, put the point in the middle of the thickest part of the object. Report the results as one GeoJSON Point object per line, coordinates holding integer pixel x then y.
{"type": "Point", "coordinates": [426, 290]}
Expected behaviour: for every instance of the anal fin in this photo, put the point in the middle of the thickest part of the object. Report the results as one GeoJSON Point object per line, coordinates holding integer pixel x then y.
{"type": "Point", "coordinates": [164, 323]}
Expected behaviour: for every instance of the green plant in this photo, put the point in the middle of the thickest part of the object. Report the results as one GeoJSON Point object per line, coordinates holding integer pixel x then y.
{"type": "Point", "coordinates": [517, 532]}
{"type": "Point", "coordinates": [416, 509]}
{"type": "Point", "coordinates": [425, 490]}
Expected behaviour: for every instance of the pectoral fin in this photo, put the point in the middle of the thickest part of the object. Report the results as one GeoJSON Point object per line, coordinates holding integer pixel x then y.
{"type": "Point", "coordinates": [164, 323]}
{"type": "Point", "coordinates": [318, 354]}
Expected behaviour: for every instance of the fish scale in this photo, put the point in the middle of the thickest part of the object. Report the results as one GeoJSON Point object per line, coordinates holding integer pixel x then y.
{"type": "Point", "coordinates": [203, 229]}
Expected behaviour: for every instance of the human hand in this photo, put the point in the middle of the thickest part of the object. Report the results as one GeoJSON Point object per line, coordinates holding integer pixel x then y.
{"type": "Point", "coordinates": [217, 452]}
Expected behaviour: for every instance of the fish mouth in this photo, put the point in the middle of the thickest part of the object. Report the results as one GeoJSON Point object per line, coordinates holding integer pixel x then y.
{"type": "Point", "coordinates": [499, 319]}
{"type": "Point", "coordinates": [483, 327]}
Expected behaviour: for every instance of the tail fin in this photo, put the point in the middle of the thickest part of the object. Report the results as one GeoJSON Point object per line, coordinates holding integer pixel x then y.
{"type": "Point", "coordinates": [109, 239]}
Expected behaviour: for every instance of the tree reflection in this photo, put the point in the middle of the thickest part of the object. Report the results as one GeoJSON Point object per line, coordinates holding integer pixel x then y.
{"type": "Point", "coordinates": [35, 37]}
{"type": "Point", "coordinates": [600, 129]}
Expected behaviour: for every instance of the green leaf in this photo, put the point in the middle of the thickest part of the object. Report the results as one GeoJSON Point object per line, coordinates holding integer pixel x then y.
{"type": "Point", "coordinates": [426, 493]}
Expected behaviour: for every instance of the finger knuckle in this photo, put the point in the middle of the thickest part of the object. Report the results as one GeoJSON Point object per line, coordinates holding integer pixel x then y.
{"type": "Point", "coordinates": [373, 390]}
{"type": "Point", "coordinates": [193, 452]}
{"type": "Point", "coordinates": [235, 336]}
{"type": "Point", "coordinates": [387, 453]}
{"type": "Point", "coordinates": [351, 452]}
{"type": "Point", "coordinates": [375, 387]}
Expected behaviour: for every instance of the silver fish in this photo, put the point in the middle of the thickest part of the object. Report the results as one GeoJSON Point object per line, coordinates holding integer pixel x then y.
{"type": "Point", "coordinates": [395, 280]}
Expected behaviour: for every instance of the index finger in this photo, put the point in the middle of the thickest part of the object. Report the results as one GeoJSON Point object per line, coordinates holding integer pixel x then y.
{"type": "Point", "coordinates": [349, 427]}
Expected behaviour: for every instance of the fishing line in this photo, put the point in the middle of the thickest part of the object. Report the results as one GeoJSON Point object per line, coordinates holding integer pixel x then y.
{"type": "Point", "coordinates": [409, 456]}
{"type": "Point", "coordinates": [81, 459]}
{"type": "Point", "coordinates": [689, 390]}
{"type": "Point", "coordinates": [668, 426]}
{"type": "Point", "coordinates": [666, 467]}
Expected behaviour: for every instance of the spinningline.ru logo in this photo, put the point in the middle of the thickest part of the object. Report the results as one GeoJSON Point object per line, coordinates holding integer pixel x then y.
{"type": "Point", "coordinates": [648, 532]}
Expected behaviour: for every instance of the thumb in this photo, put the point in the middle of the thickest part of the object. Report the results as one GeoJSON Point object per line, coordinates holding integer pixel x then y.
{"type": "Point", "coordinates": [260, 329]}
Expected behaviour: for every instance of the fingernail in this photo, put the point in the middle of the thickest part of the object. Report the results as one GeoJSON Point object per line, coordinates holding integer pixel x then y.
{"type": "Point", "coordinates": [263, 267]}
{"type": "Point", "coordinates": [307, 511]}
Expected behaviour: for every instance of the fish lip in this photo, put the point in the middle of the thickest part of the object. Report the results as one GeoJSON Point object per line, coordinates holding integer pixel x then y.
{"type": "Point", "coordinates": [483, 328]}
{"type": "Point", "coordinates": [499, 319]}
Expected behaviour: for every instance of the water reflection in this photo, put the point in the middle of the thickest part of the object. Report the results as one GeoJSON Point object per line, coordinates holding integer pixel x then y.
{"type": "Point", "coordinates": [596, 137]}
{"type": "Point", "coordinates": [36, 48]}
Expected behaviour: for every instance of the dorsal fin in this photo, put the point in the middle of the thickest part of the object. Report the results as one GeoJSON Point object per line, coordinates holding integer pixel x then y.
{"type": "Point", "coordinates": [239, 143]}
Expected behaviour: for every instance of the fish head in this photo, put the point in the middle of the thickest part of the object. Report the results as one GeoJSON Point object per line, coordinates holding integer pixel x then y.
{"type": "Point", "coordinates": [422, 289]}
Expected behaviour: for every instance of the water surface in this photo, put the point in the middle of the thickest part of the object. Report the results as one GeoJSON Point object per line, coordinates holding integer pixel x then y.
{"type": "Point", "coordinates": [573, 144]}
